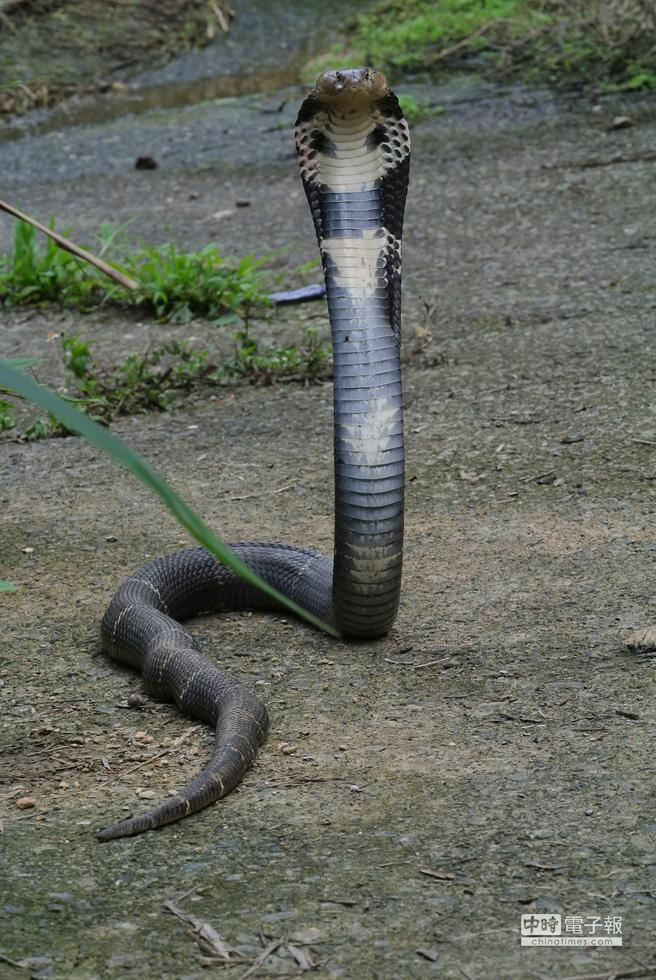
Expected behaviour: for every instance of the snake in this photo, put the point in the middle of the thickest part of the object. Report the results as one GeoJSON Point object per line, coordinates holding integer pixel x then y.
{"type": "Point", "coordinates": [353, 149]}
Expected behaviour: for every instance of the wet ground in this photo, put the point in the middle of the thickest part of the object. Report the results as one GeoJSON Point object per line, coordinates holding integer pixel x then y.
{"type": "Point", "coordinates": [494, 755]}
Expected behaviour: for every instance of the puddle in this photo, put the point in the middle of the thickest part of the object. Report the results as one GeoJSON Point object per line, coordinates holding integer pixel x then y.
{"type": "Point", "coordinates": [87, 110]}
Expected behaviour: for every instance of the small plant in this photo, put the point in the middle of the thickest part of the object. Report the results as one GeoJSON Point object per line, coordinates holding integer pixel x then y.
{"type": "Point", "coordinates": [76, 356]}
{"type": "Point", "coordinates": [415, 110]}
{"type": "Point", "coordinates": [152, 381]}
{"type": "Point", "coordinates": [179, 285]}
{"type": "Point", "coordinates": [38, 276]}
{"type": "Point", "coordinates": [638, 79]}
{"type": "Point", "coordinates": [175, 285]}
{"type": "Point", "coordinates": [7, 420]}
{"type": "Point", "coordinates": [309, 363]}
{"type": "Point", "coordinates": [139, 383]}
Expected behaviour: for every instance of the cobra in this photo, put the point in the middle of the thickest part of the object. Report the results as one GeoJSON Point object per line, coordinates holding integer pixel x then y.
{"type": "Point", "coordinates": [354, 153]}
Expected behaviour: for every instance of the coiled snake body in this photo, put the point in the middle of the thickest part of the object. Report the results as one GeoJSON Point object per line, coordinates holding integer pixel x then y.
{"type": "Point", "coordinates": [354, 154]}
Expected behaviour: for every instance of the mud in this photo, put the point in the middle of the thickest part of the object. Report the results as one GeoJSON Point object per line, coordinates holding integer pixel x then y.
{"type": "Point", "coordinates": [494, 755]}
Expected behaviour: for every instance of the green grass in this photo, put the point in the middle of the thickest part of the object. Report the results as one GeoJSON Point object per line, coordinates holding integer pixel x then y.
{"type": "Point", "coordinates": [7, 420]}
{"type": "Point", "coordinates": [415, 110]}
{"type": "Point", "coordinates": [409, 34]}
{"type": "Point", "coordinates": [179, 286]}
{"type": "Point", "coordinates": [154, 380]}
{"type": "Point", "coordinates": [609, 44]}
{"type": "Point", "coordinates": [307, 363]}
{"type": "Point", "coordinates": [174, 285]}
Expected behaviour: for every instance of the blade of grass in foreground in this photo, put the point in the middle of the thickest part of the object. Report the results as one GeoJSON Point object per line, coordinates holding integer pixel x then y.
{"type": "Point", "coordinates": [98, 436]}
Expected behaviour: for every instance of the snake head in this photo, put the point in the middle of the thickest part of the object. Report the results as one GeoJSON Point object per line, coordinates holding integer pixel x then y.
{"type": "Point", "coordinates": [352, 86]}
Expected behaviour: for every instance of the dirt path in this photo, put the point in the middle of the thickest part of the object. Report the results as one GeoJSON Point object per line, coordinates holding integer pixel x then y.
{"type": "Point", "coordinates": [494, 755]}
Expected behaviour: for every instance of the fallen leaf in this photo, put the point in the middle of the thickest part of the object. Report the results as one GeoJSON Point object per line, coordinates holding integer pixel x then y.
{"type": "Point", "coordinates": [211, 937]}
{"type": "Point", "coordinates": [302, 957]}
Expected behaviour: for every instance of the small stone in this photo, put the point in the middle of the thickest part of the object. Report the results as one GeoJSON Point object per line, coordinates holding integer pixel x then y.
{"type": "Point", "coordinates": [287, 748]}
{"type": "Point", "coordinates": [621, 122]}
{"type": "Point", "coordinates": [26, 803]}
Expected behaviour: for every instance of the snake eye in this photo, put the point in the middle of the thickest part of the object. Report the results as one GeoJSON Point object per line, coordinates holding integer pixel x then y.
{"type": "Point", "coordinates": [339, 77]}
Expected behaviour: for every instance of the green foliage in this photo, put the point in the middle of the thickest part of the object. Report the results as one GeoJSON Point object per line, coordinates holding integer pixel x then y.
{"type": "Point", "coordinates": [139, 383]}
{"type": "Point", "coordinates": [308, 363]}
{"type": "Point", "coordinates": [76, 421]}
{"type": "Point", "coordinates": [7, 420]}
{"type": "Point", "coordinates": [179, 286]}
{"type": "Point", "coordinates": [44, 427]}
{"type": "Point", "coordinates": [637, 79]}
{"type": "Point", "coordinates": [415, 110]}
{"type": "Point", "coordinates": [610, 43]}
{"type": "Point", "coordinates": [175, 285]}
{"type": "Point", "coordinates": [6, 586]}
{"type": "Point", "coordinates": [152, 381]}
{"type": "Point", "coordinates": [76, 356]}
{"type": "Point", "coordinates": [406, 34]}
{"type": "Point", "coordinates": [32, 275]}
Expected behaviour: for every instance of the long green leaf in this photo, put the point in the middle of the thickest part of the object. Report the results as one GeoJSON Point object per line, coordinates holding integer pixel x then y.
{"type": "Point", "coordinates": [20, 363]}
{"type": "Point", "coordinates": [108, 443]}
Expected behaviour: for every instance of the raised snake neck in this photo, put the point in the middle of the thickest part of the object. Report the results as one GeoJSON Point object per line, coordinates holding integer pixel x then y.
{"type": "Point", "coordinates": [354, 154]}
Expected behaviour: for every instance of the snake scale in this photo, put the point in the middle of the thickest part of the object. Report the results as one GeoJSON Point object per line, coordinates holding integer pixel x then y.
{"type": "Point", "coordinates": [353, 149]}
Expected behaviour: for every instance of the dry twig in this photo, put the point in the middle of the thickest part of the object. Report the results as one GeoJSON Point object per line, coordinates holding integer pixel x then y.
{"type": "Point", "coordinates": [71, 247]}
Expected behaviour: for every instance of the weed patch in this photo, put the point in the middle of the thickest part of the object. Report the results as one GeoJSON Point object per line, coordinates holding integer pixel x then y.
{"type": "Point", "coordinates": [415, 109]}
{"type": "Point", "coordinates": [7, 420]}
{"type": "Point", "coordinates": [152, 381]}
{"type": "Point", "coordinates": [174, 285]}
{"type": "Point", "coordinates": [607, 43]}
{"type": "Point", "coordinates": [309, 363]}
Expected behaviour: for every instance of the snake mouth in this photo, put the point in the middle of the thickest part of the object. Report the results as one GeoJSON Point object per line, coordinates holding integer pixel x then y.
{"type": "Point", "coordinates": [350, 87]}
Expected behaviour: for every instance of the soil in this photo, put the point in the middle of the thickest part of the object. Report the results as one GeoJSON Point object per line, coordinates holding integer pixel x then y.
{"type": "Point", "coordinates": [494, 755]}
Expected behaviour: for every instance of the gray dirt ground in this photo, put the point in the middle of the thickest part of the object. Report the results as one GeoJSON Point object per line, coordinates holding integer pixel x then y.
{"type": "Point", "coordinates": [492, 756]}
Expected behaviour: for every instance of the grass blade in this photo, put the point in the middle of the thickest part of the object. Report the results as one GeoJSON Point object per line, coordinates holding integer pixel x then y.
{"type": "Point", "coordinates": [98, 436]}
